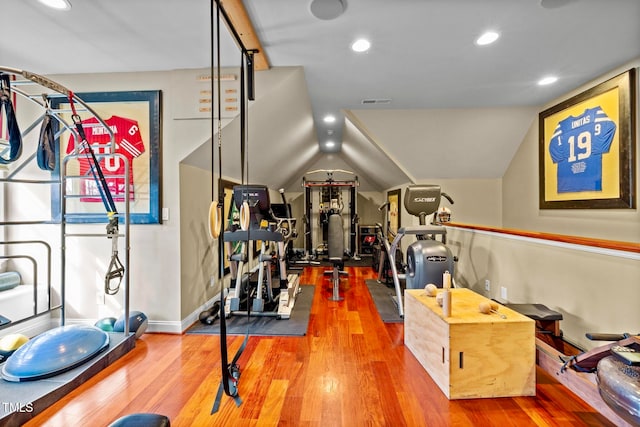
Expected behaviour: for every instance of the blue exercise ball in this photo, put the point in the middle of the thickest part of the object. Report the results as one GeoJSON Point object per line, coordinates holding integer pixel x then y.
{"type": "Point", "coordinates": [106, 324]}
{"type": "Point", "coordinates": [137, 323]}
{"type": "Point", "coordinates": [10, 343]}
{"type": "Point", "coordinates": [54, 352]}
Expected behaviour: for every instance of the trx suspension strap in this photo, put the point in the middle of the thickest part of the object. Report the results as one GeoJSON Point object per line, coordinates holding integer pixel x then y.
{"type": "Point", "coordinates": [230, 371]}
{"type": "Point", "coordinates": [15, 139]}
{"type": "Point", "coordinates": [115, 271]}
{"type": "Point", "coordinates": [46, 152]}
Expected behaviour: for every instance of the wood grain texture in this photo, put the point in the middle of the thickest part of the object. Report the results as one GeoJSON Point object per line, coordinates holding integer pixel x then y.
{"type": "Point", "coordinates": [470, 354]}
{"type": "Point", "coordinates": [350, 369]}
{"type": "Point", "coordinates": [576, 240]}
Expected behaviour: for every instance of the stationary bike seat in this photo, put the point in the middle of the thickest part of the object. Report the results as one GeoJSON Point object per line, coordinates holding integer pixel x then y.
{"type": "Point", "coordinates": [535, 311]}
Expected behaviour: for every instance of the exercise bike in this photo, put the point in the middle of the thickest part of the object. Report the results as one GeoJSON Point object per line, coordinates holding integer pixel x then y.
{"type": "Point", "coordinates": [381, 261]}
{"type": "Point", "coordinates": [427, 258]}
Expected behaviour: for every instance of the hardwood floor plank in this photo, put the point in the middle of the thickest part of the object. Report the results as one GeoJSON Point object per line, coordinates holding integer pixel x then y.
{"type": "Point", "coordinates": [351, 369]}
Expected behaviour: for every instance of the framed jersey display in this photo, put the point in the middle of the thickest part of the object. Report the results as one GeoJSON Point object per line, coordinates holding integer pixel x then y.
{"type": "Point", "coordinates": [587, 148]}
{"type": "Point", "coordinates": [130, 162]}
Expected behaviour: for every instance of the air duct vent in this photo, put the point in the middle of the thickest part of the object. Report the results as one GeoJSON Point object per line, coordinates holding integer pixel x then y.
{"type": "Point", "coordinates": [376, 101]}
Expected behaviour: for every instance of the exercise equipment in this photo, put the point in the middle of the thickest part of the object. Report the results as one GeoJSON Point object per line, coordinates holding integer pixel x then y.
{"type": "Point", "coordinates": [619, 387]}
{"type": "Point", "coordinates": [330, 200]}
{"type": "Point", "coordinates": [142, 420]}
{"type": "Point", "coordinates": [617, 373]}
{"type": "Point", "coordinates": [138, 323]}
{"type": "Point", "coordinates": [208, 317]}
{"type": "Point", "coordinates": [54, 352]}
{"type": "Point", "coordinates": [10, 343]}
{"type": "Point", "coordinates": [230, 370]}
{"type": "Point", "coordinates": [106, 324]}
{"type": "Point", "coordinates": [15, 137]}
{"type": "Point", "coordinates": [335, 241]}
{"type": "Point", "coordinates": [381, 259]}
{"type": "Point", "coordinates": [115, 271]}
{"type": "Point", "coordinates": [9, 280]}
{"type": "Point", "coordinates": [65, 347]}
{"type": "Point", "coordinates": [263, 296]}
{"type": "Point", "coordinates": [427, 258]}
{"type": "Point", "coordinates": [46, 151]}
{"type": "Point", "coordinates": [547, 320]}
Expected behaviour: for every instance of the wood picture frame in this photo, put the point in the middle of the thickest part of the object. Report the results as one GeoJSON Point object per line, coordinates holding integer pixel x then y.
{"type": "Point", "coordinates": [141, 109]}
{"type": "Point", "coordinates": [587, 148]}
{"type": "Point", "coordinates": [393, 213]}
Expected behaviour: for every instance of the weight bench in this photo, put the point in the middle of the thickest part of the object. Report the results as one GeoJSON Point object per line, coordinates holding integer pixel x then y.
{"type": "Point", "coordinates": [547, 320]}
{"type": "Point", "coordinates": [335, 243]}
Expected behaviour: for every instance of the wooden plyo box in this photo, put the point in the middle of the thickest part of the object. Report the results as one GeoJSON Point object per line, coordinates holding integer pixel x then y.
{"type": "Point", "coordinates": [471, 354]}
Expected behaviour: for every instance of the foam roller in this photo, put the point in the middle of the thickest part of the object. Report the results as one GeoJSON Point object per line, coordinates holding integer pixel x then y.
{"type": "Point", "coordinates": [9, 280]}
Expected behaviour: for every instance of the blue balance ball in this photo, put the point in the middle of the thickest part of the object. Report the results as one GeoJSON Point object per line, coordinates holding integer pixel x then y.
{"type": "Point", "coordinates": [137, 323]}
{"type": "Point", "coordinates": [54, 351]}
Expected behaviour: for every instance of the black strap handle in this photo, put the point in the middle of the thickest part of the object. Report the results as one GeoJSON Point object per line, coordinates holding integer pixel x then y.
{"type": "Point", "coordinates": [15, 138]}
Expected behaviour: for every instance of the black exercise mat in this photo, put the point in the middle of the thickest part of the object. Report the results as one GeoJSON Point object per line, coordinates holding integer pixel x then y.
{"type": "Point", "coordinates": [364, 261]}
{"type": "Point", "coordinates": [384, 298]}
{"type": "Point", "coordinates": [296, 325]}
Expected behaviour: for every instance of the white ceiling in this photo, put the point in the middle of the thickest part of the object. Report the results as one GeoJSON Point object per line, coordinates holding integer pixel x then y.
{"type": "Point", "coordinates": [423, 58]}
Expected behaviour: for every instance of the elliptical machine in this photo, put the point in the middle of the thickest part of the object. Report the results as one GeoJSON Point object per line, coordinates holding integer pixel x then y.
{"type": "Point", "coordinates": [427, 258]}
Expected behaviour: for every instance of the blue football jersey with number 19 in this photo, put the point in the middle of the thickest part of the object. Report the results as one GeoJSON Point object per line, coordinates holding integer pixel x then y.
{"type": "Point", "coordinates": [577, 146]}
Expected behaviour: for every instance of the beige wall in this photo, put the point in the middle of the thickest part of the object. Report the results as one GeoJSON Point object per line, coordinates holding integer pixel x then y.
{"type": "Point", "coordinates": [198, 254]}
{"type": "Point", "coordinates": [596, 291]}
{"type": "Point", "coordinates": [476, 201]}
{"type": "Point", "coordinates": [520, 193]}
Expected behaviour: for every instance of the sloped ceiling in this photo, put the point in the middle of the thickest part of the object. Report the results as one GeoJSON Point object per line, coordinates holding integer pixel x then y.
{"type": "Point", "coordinates": [440, 143]}
{"type": "Point", "coordinates": [281, 140]}
{"type": "Point", "coordinates": [456, 110]}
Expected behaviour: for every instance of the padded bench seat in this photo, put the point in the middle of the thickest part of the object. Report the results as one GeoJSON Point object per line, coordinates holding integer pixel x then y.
{"type": "Point", "coordinates": [546, 319]}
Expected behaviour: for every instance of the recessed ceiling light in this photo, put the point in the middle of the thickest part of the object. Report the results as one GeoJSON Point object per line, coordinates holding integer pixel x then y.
{"type": "Point", "coordinates": [329, 144]}
{"type": "Point", "coordinates": [57, 4]}
{"type": "Point", "coordinates": [487, 38]}
{"type": "Point", "coordinates": [547, 80]}
{"type": "Point", "coordinates": [329, 118]}
{"type": "Point", "coordinates": [361, 45]}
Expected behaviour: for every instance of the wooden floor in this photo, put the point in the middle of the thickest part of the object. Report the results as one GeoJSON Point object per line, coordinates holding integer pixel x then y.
{"type": "Point", "coordinates": [350, 369]}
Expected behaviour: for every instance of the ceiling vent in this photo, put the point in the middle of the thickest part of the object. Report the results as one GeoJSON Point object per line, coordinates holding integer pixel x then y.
{"type": "Point", "coordinates": [372, 101]}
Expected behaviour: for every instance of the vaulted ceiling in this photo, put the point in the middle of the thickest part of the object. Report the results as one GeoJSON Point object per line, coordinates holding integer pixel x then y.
{"type": "Point", "coordinates": [446, 108]}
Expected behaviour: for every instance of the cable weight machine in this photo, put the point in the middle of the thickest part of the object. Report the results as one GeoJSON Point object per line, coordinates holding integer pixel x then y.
{"type": "Point", "coordinates": [329, 196]}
